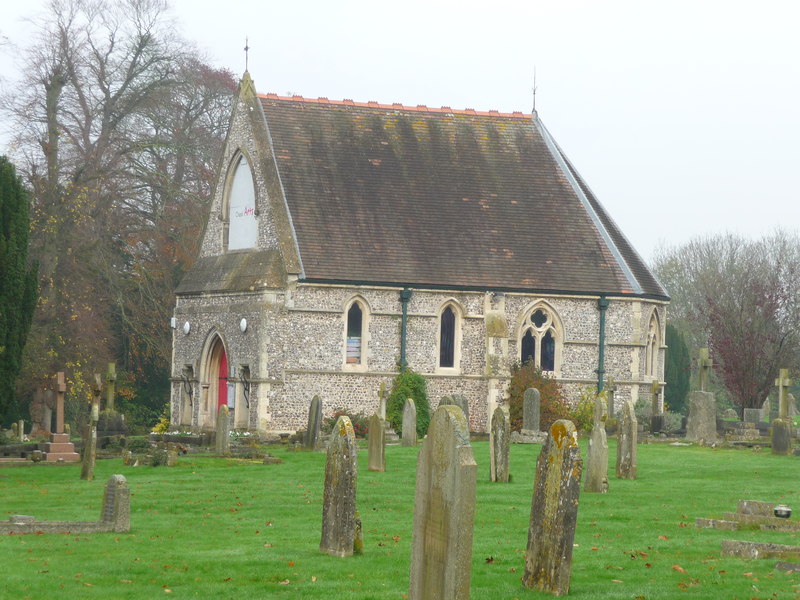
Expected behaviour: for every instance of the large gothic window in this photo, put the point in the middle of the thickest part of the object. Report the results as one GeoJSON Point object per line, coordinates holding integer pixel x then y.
{"type": "Point", "coordinates": [241, 219]}
{"type": "Point", "coordinates": [540, 339]}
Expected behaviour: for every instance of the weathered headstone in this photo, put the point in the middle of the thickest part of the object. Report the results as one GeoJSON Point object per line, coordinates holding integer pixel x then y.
{"type": "Point", "coordinates": [782, 383]}
{"type": "Point", "coordinates": [90, 441]}
{"type": "Point", "coordinates": [531, 410]}
{"type": "Point", "coordinates": [792, 405]}
{"type": "Point", "coordinates": [704, 363]}
{"type": "Point", "coordinates": [223, 437]}
{"type": "Point", "coordinates": [702, 423]}
{"type": "Point", "coordinates": [339, 496]}
{"type": "Point", "coordinates": [554, 512]}
{"type": "Point", "coordinates": [21, 430]}
{"type": "Point", "coordinates": [499, 439]}
{"type": "Point", "coordinates": [626, 443]}
{"type": "Point", "coordinates": [409, 423]}
{"type": "Point", "coordinates": [117, 504]}
{"type": "Point", "coordinates": [15, 431]}
{"type": "Point", "coordinates": [376, 443]}
{"type": "Point", "coordinates": [597, 462]}
{"type": "Point", "coordinates": [782, 436]}
{"type": "Point", "coordinates": [611, 389]}
{"type": "Point", "coordinates": [444, 510]}
{"type": "Point", "coordinates": [314, 423]}
{"type": "Point", "coordinates": [382, 401]}
{"type": "Point", "coordinates": [766, 411]}
{"type": "Point", "coordinates": [752, 415]}
{"type": "Point", "coordinates": [461, 401]}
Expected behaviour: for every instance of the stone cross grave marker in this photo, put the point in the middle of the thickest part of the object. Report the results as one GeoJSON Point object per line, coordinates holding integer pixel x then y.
{"type": "Point", "coordinates": [314, 423]}
{"type": "Point", "coordinates": [554, 512]}
{"type": "Point", "coordinates": [657, 415]}
{"type": "Point", "coordinates": [409, 423]}
{"type": "Point", "coordinates": [597, 463]}
{"type": "Point", "coordinates": [223, 441]}
{"type": "Point", "coordinates": [705, 363]}
{"type": "Point", "coordinates": [626, 442]}
{"type": "Point", "coordinates": [531, 410]}
{"type": "Point", "coordinates": [444, 510]}
{"type": "Point", "coordinates": [90, 441]}
{"type": "Point", "coordinates": [61, 390]}
{"type": "Point", "coordinates": [611, 389]}
{"type": "Point", "coordinates": [702, 423]}
{"type": "Point", "coordinates": [376, 443]}
{"type": "Point", "coordinates": [111, 386]}
{"type": "Point", "coordinates": [382, 400]}
{"type": "Point", "coordinates": [339, 495]}
{"type": "Point", "coordinates": [782, 383]}
{"type": "Point", "coordinates": [499, 440]}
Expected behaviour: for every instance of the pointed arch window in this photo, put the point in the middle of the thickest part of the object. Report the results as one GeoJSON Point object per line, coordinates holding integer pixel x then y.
{"type": "Point", "coordinates": [355, 330]}
{"type": "Point", "coordinates": [447, 338]}
{"type": "Point", "coordinates": [652, 344]}
{"type": "Point", "coordinates": [540, 340]}
{"type": "Point", "coordinates": [241, 223]}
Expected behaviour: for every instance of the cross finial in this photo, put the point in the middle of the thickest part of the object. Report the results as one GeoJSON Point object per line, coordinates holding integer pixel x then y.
{"type": "Point", "coordinates": [246, 53]}
{"type": "Point", "coordinates": [705, 364]}
{"type": "Point", "coordinates": [534, 90]}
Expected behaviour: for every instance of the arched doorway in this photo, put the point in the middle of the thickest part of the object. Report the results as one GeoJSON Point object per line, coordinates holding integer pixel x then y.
{"type": "Point", "coordinates": [218, 375]}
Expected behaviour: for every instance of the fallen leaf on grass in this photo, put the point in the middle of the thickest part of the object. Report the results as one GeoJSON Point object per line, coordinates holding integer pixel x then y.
{"type": "Point", "coordinates": [663, 537]}
{"type": "Point", "coordinates": [617, 581]}
{"type": "Point", "coordinates": [313, 578]}
{"type": "Point", "coordinates": [291, 563]}
{"type": "Point", "coordinates": [678, 568]}
{"type": "Point", "coordinates": [284, 582]}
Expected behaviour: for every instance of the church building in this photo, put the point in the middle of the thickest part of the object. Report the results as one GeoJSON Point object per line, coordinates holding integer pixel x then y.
{"type": "Point", "coordinates": [346, 239]}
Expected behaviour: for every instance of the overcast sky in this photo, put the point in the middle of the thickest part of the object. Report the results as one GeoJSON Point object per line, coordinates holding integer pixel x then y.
{"type": "Point", "coordinates": [683, 116]}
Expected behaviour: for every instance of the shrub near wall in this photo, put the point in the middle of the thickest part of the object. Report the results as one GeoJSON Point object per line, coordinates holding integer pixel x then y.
{"type": "Point", "coordinates": [553, 404]}
{"type": "Point", "coordinates": [409, 385]}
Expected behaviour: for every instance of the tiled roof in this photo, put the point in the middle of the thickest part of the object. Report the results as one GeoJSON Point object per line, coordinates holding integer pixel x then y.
{"type": "Point", "coordinates": [234, 272]}
{"type": "Point", "coordinates": [384, 193]}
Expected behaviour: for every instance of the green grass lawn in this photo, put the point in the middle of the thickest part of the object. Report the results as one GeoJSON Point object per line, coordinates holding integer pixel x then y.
{"type": "Point", "coordinates": [218, 528]}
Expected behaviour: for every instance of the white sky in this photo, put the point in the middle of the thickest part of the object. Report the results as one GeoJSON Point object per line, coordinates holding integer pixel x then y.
{"type": "Point", "coordinates": [683, 116]}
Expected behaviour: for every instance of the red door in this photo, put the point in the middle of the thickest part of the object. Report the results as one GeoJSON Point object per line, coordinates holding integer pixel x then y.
{"type": "Point", "coordinates": [222, 390]}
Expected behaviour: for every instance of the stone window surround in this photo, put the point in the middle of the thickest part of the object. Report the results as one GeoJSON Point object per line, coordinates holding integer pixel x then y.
{"type": "Point", "coordinates": [458, 313]}
{"type": "Point", "coordinates": [362, 366]}
{"type": "Point", "coordinates": [652, 345]}
{"type": "Point", "coordinates": [556, 326]}
{"type": "Point", "coordinates": [224, 215]}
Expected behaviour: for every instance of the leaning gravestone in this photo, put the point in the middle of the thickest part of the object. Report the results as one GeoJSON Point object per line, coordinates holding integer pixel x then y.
{"type": "Point", "coordinates": [444, 510]}
{"type": "Point", "coordinates": [499, 445]}
{"type": "Point", "coordinates": [223, 437]}
{"type": "Point", "coordinates": [554, 512]}
{"type": "Point", "coordinates": [597, 463]}
{"type": "Point", "coordinates": [409, 423]}
{"type": "Point", "coordinates": [339, 496]}
{"type": "Point", "coordinates": [376, 443]}
{"type": "Point", "coordinates": [531, 411]}
{"type": "Point", "coordinates": [626, 442]}
{"type": "Point", "coordinates": [702, 423]}
{"type": "Point", "coordinates": [314, 423]}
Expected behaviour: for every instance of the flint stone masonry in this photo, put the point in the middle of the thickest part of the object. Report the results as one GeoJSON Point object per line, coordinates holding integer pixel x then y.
{"type": "Point", "coordinates": [339, 496]}
{"type": "Point", "coordinates": [444, 510]}
{"type": "Point", "coordinates": [554, 512]}
{"type": "Point", "coordinates": [114, 515]}
{"type": "Point", "coordinates": [499, 438]}
{"type": "Point", "coordinates": [702, 423]}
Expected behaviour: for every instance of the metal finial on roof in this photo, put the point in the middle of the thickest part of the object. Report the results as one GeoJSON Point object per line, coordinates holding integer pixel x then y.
{"type": "Point", "coordinates": [534, 89]}
{"type": "Point", "coordinates": [246, 53]}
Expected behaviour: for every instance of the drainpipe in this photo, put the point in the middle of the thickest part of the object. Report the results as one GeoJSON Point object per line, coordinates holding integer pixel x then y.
{"type": "Point", "coordinates": [602, 305]}
{"type": "Point", "coordinates": [405, 296]}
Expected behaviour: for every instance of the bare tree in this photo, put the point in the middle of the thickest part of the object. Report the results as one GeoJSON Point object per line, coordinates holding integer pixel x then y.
{"type": "Point", "coordinates": [740, 298]}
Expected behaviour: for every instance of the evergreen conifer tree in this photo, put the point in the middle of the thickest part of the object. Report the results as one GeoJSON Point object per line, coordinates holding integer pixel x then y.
{"type": "Point", "coordinates": [18, 285]}
{"type": "Point", "coordinates": [677, 370]}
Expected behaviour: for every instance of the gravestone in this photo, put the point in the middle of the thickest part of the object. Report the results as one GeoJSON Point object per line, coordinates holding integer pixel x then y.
{"type": "Point", "coordinates": [657, 419]}
{"type": "Point", "coordinates": [752, 415]}
{"type": "Point", "coordinates": [792, 405]}
{"type": "Point", "coordinates": [782, 437]}
{"type": "Point", "coordinates": [531, 411]}
{"type": "Point", "coordinates": [21, 430]}
{"type": "Point", "coordinates": [409, 423]}
{"type": "Point", "coordinates": [461, 401]}
{"type": "Point", "coordinates": [223, 441]}
{"type": "Point", "coordinates": [116, 509]}
{"type": "Point", "coordinates": [111, 382]}
{"type": "Point", "coordinates": [626, 442]}
{"type": "Point", "coordinates": [702, 424]}
{"type": "Point", "coordinates": [376, 443]}
{"type": "Point", "coordinates": [382, 400]}
{"type": "Point", "coordinates": [766, 411]}
{"type": "Point", "coordinates": [15, 431]}
{"type": "Point", "coordinates": [314, 424]}
{"type": "Point", "coordinates": [499, 438]}
{"type": "Point", "coordinates": [59, 448]}
{"type": "Point", "coordinates": [444, 510]}
{"type": "Point", "coordinates": [554, 512]}
{"type": "Point", "coordinates": [611, 389]}
{"type": "Point", "coordinates": [597, 462]}
{"type": "Point", "coordinates": [704, 363]}
{"type": "Point", "coordinates": [339, 495]}
{"type": "Point", "coordinates": [90, 441]}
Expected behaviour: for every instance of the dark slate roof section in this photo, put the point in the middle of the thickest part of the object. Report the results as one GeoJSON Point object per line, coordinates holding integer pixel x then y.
{"type": "Point", "coordinates": [239, 271]}
{"type": "Point", "coordinates": [387, 194]}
